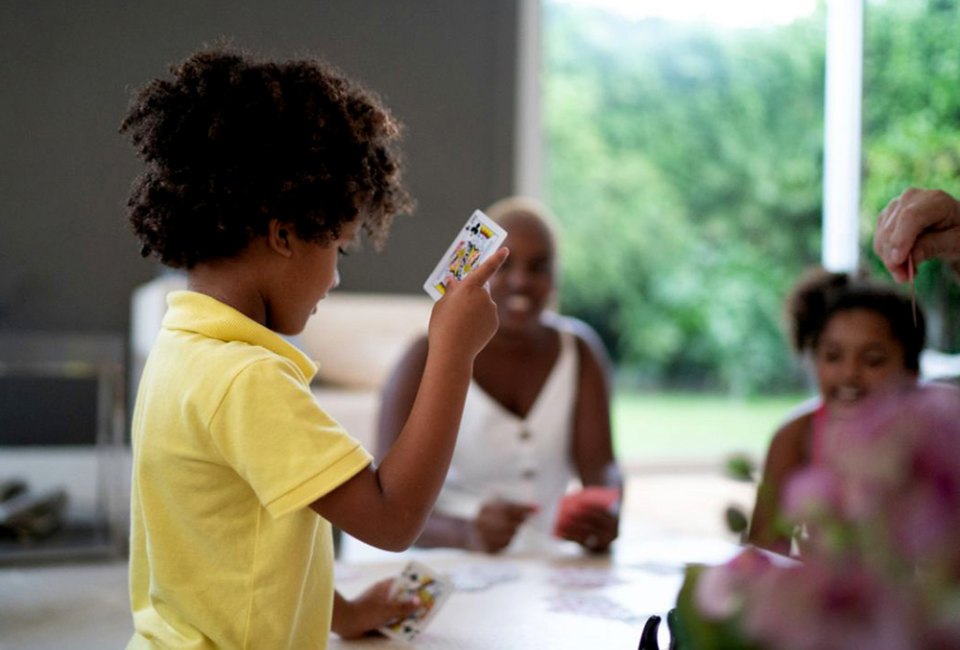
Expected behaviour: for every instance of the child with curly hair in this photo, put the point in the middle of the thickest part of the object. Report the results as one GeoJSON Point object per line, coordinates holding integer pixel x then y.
{"type": "Point", "coordinates": [259, 174]}
{"type": "Point", "coordinates": [864, 340]}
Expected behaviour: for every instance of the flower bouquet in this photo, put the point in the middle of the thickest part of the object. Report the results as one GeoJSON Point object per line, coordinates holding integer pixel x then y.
{"type": "Point", "coordinates": [879, 565]}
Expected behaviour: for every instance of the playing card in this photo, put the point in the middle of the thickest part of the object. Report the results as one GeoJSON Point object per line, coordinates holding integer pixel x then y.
{"type": "Point", "coordinates": [479, 238]}
{"type": "Point", "coordinates": [588, 604]}
{"type": "Point", "coordinates": [581, 577]}
{"type": "Point", "coordinates": [420, 581]}
{"type": "Point", "coordinates": [591, 497]}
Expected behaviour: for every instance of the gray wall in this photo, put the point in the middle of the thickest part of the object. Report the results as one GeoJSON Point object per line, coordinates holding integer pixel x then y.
{"type": "Point", "coordinates": [67, 259]}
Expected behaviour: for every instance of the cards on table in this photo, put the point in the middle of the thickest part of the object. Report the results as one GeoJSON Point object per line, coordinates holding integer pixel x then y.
{"type": "Point", "coordinates": [477, 577]}
{"type": "Point", "coordinates": [592, 497]}
{"type": "Point", "coordinates": [479, 238]}
{"type": "Point", "coordinates": [417, 581]}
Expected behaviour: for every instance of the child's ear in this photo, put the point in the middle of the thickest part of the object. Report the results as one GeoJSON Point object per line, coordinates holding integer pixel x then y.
{"type": "Point", "coordinates": [278, 238]}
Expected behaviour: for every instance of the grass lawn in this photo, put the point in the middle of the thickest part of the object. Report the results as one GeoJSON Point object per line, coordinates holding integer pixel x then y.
{"type": "Point", "coordinates": [652, 426]}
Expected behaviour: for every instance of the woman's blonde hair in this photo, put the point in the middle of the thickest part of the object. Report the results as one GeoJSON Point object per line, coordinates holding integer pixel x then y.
{"type": "Point", "coordinates": [514, 205]}
{"type": "Point", "coordinates": [511, 206]}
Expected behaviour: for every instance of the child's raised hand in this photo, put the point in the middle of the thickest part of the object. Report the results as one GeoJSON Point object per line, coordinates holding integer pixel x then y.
{"type": "Point", "coordinates": [370, 611]}
{"type": "Point", "coordinates": [465, 319]}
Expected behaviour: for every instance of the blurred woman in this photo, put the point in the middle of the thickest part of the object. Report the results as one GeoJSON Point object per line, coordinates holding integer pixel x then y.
{"type": "Point", "coordinates": [537, 413]}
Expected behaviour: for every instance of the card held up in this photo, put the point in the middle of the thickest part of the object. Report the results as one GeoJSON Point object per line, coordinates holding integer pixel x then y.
{"type": "Point", "coordinates": [479, 238]}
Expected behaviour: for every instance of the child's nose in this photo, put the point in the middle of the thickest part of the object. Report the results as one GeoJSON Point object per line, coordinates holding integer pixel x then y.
{"type": "Point", "coordinates": [851, 370]}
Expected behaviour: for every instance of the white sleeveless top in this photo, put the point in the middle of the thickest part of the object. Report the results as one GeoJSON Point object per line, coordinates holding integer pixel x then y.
{"type": "Point", "coordinates": [501, 455]}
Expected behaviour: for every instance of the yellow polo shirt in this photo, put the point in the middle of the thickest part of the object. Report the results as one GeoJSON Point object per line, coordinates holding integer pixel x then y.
{"type": "Point", "coordinates": [229, 450]}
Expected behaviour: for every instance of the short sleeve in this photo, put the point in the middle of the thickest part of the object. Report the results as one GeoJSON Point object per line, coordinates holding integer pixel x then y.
{"type": "Point", "coordinates": [273, 433]}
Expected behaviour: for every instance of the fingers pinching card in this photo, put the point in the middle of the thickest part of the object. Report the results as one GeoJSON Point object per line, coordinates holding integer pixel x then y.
{"type": "Point", "coordinates": [479, 238]}
{"type": "Point", "coordinates": [431, 588]}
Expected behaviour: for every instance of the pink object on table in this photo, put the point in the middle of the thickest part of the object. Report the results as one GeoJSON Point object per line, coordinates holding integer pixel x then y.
{"type": "Point", "coordinates": [589, 498]}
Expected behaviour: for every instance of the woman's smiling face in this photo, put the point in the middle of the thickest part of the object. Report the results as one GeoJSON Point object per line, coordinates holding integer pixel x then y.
{"type": "Point", "coordinates": [856, 357]}
{"type": "Point", "coordinates": [524, 284]}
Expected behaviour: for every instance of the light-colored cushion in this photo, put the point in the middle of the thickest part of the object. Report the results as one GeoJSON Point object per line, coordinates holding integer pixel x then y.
{"type": "Point", "coordinates": [356, 410]}
{"type": "Point", "coordinates": [148, 304]}
{"type": "Point", "coordinates": [358, 338]}
{"type": "Point", "coordinates": [355, 338]}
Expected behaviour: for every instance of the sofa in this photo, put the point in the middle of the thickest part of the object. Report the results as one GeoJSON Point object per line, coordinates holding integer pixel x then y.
{"type": "Point", "coordinates": [355, 338]}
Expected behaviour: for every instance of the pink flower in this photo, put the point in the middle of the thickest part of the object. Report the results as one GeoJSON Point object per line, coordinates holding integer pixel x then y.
{"type": "Point", "coordinates": [719, 589]}
{"type": "Point", "coordinates": [881, 569]}
{"type": "Point", "coordinates": [812, 493]}
{"type": "Point", "coordinates": [826, 607]}
{"type": "Point", "coordinates": [903, 488]}
{"type": "Point", "coordinates": [923, 525]}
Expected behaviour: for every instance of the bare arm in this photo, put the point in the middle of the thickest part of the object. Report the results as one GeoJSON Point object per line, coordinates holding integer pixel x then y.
{"type": "Point", "coordinates": [398, 395]}
{"type": "Point", "coordinates": [396, 401]}
{"type": "Point", "coordinates": [369, 611]}
{"type": "Point", "coordinates": [592, 435]}
{"type": "Point", "coordinates": [592, 445]}
{"type": "Point", "coordinates": [491, 532]}
{"type": "Point", "coordinates": [785, 456]}
{"type": "Point", "coordinates": [386, 506]}
{"type": "Point", "coordinates": [499, 519]}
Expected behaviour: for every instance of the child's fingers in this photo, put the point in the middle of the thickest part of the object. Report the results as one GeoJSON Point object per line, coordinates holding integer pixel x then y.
{"type": "Point", "coordinates": [386, 610]}
{"type": "Point", "coordinates": [395, 611]}
{"type": "Point", "coordinates": [398, 609]}
{"type": "Point", "coordinates": [485, 271]}
{"type": "Point", "coordinates": [381, 588]}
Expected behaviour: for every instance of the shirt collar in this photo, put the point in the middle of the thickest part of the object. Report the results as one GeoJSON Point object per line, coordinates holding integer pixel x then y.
{"type": "Point", "coordinates": [196, 312]}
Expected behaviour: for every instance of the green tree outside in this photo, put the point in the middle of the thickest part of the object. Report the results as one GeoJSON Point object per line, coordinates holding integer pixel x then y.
{"type": "Point", "coordinates": [685, 164]}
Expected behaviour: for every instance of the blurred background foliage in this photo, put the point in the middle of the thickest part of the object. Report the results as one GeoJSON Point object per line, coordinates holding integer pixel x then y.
{"type": "Point", "coordinates": [685, 161]}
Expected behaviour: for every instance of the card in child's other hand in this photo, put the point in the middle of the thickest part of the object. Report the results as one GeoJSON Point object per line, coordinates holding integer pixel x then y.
{"type": "Point", "coordinates": [479, 238]}
{"type": "Point", "coordinates": [417, 581]}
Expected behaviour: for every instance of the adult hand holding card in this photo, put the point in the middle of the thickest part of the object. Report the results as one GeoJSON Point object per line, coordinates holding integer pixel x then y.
{"type": "Point", "coordinates": [479, 238]}
{"type": "Point", "coordinates": [589, 516]}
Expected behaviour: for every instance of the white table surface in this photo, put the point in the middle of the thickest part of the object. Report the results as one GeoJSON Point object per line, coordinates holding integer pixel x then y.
{"type": "Point", "coordinates": [543, 606]}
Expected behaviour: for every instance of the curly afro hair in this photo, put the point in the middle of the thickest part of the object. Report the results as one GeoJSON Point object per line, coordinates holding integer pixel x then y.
{"type": "Point", "coordinates": [820, 294]}
{"type": "Point", "coordinates": [231, 142]}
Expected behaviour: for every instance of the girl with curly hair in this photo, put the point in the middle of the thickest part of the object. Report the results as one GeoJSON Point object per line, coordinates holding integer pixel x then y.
{"type": "Point", "coordinates": [259, 175]}
{"type": "Point", "coordinates": [864, 339]}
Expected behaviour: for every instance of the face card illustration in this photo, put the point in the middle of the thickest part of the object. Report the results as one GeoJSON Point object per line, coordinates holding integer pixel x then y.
{"type": "Point", "coordinates": [418, 581]}
{"type": "Point", "coordinates": [479, 238]}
